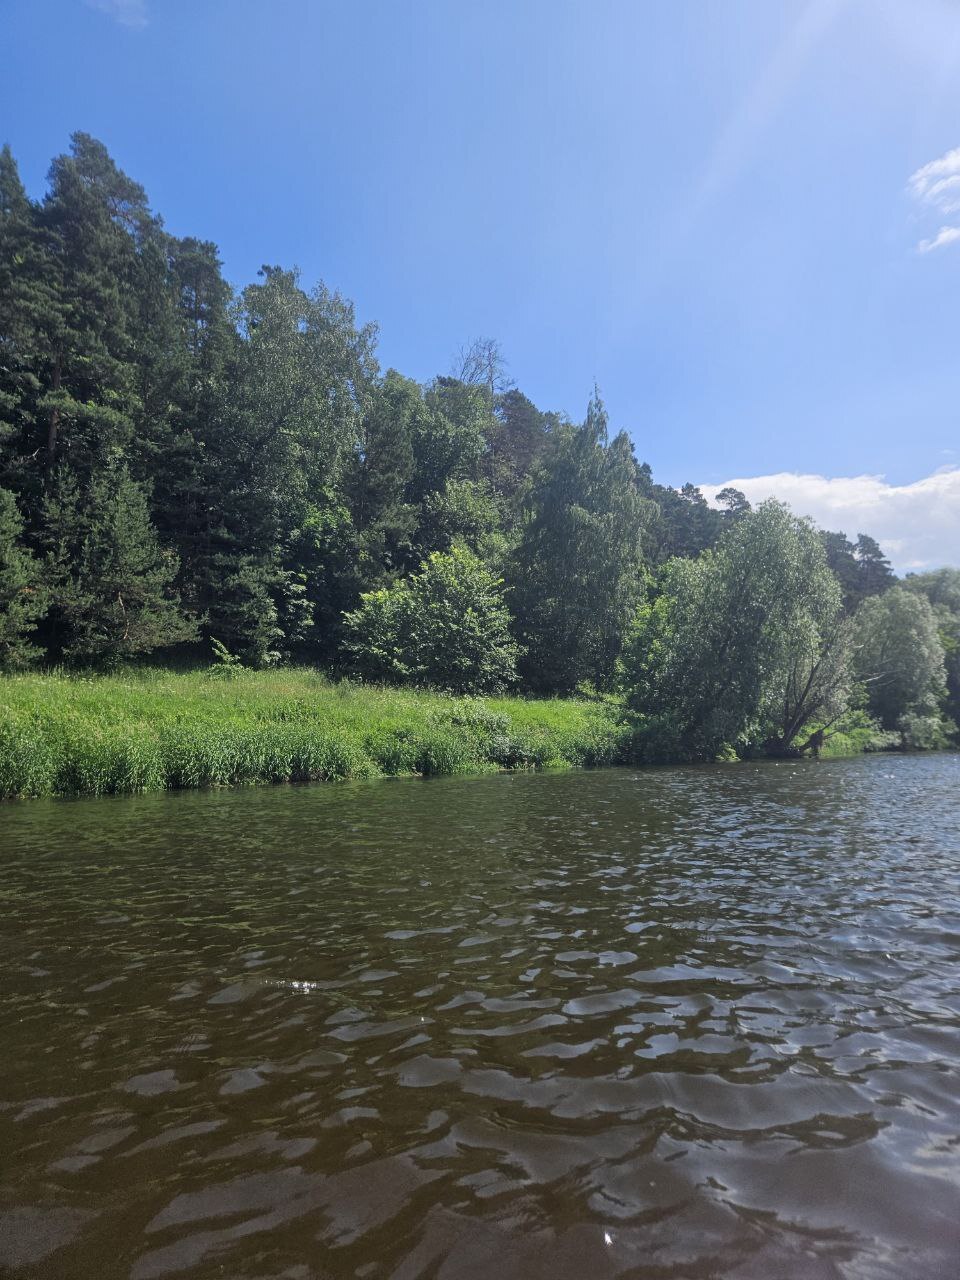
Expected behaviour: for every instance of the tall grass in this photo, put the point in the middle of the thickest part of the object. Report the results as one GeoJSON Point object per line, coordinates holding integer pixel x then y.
{"type": "Point", "coordinates": [148, 729]}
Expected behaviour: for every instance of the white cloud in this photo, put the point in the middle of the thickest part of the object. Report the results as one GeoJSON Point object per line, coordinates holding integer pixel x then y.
{"type": "Point", "coordinates": [938, 183]}
{"type": "Point", "coordinates": [129, 13]}
{"type": "Point", "coordinates": [937, 186]}
{"type": "Point", "coordinates": [946, 235]}
{"type": "Point", "coordinates": [917, 525]}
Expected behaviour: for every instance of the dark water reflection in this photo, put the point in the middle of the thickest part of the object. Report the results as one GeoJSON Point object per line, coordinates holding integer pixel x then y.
{"type": "Point", "coordinates": [683, 1023]}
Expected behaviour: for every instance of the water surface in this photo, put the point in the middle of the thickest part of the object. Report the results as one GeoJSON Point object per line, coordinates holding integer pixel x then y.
{"type": "Point", "coordinates": [678, 1023]}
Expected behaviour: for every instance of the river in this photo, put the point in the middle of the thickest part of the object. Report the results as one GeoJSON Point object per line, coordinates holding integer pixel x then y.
{"type": "Point", "coordinates": [688, 1023]}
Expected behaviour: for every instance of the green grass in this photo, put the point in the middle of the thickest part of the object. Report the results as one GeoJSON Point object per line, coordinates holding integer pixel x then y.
{"type": "Point", "coordinates": [152, 730]}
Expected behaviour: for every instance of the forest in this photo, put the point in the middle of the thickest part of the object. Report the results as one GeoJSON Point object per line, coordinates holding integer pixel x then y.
{"type": "Point", "coordinates": [191, 475]}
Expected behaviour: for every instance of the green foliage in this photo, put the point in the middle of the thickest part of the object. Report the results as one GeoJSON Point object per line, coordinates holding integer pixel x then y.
{"type": "Point", "coordinates": [446, 626]}
{"type": "Point", "coordinates": [450, 438]}
{"type": "Point", "coordinates": [577, 572]}
{"type": "Point", "coordinates": [517, 439]}
{"type": "Point", "coordinates": [858, 731]}
{"type": "Point", "coordinates": [740, 647]}
{"type": "Point", "coordinates": [149, 730]}
{"type": "Point", "coordinates": [681, 521]}
{"type": "Point", "coordinates": [183, 463]}
{"type": "Point", "coordinates": [900, 659]}
{"type": "Point", "coordinates": [860, 567]}
{"type": "Point", "coordinates": [382, 469]}
{"type": "Point", "coordinates": [465, 512]}
{"type": "Point", "coordinates": [112, 582]}
{"type": "Point", "coordinates": [226, 665]}
{"type": "Point", "coordinates": [942, 589]}
{"type": "Point", "coordinates": [23, 598]}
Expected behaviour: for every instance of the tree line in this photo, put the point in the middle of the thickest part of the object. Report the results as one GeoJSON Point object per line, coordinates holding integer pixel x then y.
{"type": "Point", "coordinates": [185, 466]}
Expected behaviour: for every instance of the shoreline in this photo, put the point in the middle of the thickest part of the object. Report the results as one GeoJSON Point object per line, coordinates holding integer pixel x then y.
{"type": "Point", "coordinates": [148, 730]}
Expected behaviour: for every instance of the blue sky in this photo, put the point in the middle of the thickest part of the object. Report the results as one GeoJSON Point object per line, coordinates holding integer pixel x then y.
{"type": "Point", "coordinates": [707, 207]}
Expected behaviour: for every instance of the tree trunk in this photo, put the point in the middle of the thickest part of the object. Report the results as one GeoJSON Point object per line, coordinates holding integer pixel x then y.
{"type": "Point", "coordinates": [53, 423]}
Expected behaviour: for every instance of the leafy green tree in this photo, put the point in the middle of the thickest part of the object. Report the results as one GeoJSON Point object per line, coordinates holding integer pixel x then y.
{"type": "Point", "coordinates": [740, 647]}
{"type": "Point", "coordinates": [450, 439]}
{"type": "Point", "coordinates": [576, 575]}
{"type": "Point", "coordinates": [447, 626]}
{"type": "Point", "coordinates": [112, 582]}
{"type": "Point", "coordinates": [379, 475]}
{"type": "Point", "coordinates": [900, 659]}
{"type": "Point", "coordinates": [942, 588]}
{"type": "Point", "coordinates": [337, 569]}
{"type": "Point", "coordinates": [23, 597]}
{"type": "Point", "coordinates": [814, 687]}
{"type": "Point", "coordinates": [466, 513]}
{"type": "Point", "coordinates": [287, 420]}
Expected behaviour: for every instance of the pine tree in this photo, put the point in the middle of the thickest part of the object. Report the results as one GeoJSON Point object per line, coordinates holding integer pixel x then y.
{"type": "Point", "coordinates": [97, 221]}
{"type": "Point", "coordinates": [23, 599]}
{"type": "Point", "coordinates": [28, 307]}
{"type": "Point", "coordinates": [112, 581]}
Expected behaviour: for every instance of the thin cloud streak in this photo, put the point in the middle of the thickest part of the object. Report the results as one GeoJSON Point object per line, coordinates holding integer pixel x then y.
{"type": "Point", "coordinates": [946, 235]}
{"type": "Point", "coordinates": [938, 183]}
{"type": "Point", "coordinates": [128, 13]}
{"type": "Point", "coordinates": [917, 525]}
{"type": "Point", "coordinates": [937, 186]}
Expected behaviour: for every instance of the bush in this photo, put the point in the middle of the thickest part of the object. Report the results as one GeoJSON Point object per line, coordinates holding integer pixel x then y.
{"type": "Point", "coordinates": [447, 626]}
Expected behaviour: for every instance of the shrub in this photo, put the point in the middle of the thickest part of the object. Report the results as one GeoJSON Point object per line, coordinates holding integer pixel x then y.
{"type": "Point", "coordinates": [447, 626]}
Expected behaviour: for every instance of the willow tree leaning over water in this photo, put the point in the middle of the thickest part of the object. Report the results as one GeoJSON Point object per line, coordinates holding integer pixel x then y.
{"type": "Point", "coordinates": [745, 648]}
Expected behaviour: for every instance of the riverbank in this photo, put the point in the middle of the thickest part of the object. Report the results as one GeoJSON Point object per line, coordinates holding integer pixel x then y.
{"type": "Point", "coordinates": [153, 730]}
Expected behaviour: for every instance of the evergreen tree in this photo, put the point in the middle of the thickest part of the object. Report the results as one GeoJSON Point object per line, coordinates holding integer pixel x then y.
{"type": "Point", "coordinates": [27, 310]}
{"type": "Point", "coordinates": [576, 575]}
{"type": "Point", "coordinates": [517, 438]}
{"type": "Point", "coordinates": [96, 220]}
{"type": "Point", "coordinates": [682, 522]}
{"type": "Point", "coordinates": [112, 583]}
{"type": "Point", "coordinates": [876, 576]}
{"type": "Point", "coordinates": [860, 567]}
{"type": "Point", "coordinates": [23, 598]}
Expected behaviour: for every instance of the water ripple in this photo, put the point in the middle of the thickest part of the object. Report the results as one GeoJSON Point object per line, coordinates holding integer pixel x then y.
{"type": "Point", "coordinates": [683, 1023]}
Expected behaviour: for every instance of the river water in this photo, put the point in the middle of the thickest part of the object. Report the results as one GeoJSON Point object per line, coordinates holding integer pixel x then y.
{"type": "Point", "coordinates": [670, 1023]}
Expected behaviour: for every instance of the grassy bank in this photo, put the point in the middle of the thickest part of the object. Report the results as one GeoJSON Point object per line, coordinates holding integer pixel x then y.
{"type": "Point", "coordinates": [152, 730]}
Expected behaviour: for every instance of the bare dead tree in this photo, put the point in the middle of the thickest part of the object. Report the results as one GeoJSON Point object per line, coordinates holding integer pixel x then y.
{"type": "Point", "coordinates": [483, 364]}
